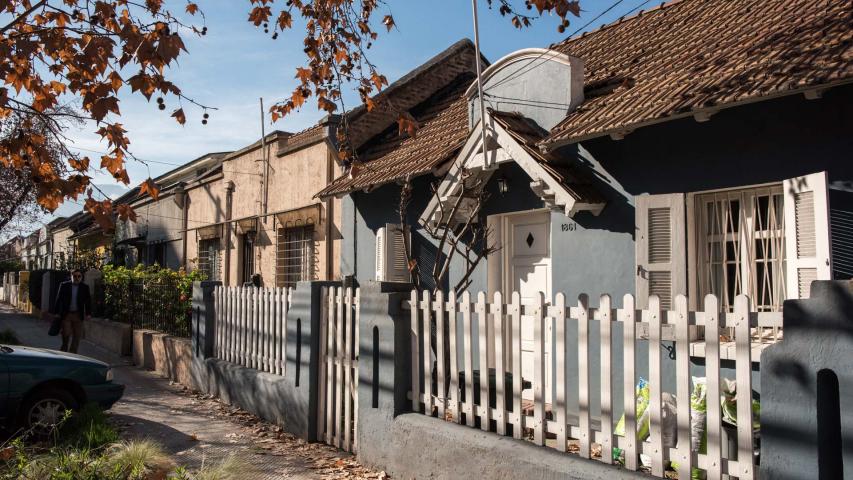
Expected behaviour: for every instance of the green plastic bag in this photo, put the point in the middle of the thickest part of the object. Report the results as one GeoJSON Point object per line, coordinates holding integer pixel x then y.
{"type": "Point", "coordinates": [643, 425]}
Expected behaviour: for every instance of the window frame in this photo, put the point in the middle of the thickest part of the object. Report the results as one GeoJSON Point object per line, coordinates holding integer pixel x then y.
{"type": "Point", "coordinates": [307, 263]}
{"type": "Point", "coordinates": [697, 268]}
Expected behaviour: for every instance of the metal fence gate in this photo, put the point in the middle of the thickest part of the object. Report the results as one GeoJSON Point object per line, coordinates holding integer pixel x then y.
{"type": "Point", "coordinates": [337, 421]}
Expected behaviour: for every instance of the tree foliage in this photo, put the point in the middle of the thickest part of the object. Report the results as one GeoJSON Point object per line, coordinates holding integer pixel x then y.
{"type": "Point", "coordinates": [55, 53]}
{"type": "Point", "coordinates": [338, 36]}
{"type": "Point", "coordinates": [83, 53]}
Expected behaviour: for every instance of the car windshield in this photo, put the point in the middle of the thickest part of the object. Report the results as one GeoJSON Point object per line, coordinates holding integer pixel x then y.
{"type": "Point", "coordinates": [6, 349]}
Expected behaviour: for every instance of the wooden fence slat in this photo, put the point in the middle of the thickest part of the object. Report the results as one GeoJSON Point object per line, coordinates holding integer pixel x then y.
{"type": "Point", "coordinates": [682, 392]}
{"type": "Point", "coordinates": [605, 319]}
{"type": "Point", "coordinates": [347, 362]}
{"type": "Point", "coordinates": [517, 381]}
{"type": "Point", "coordinates": [655, 401]}
{"type": "Point", "coordinates": [483, 336]}
{"type": "Point", "coordinates": [499, 327]}
{"type": "Point", "coordinates": [743, 375]}
{"type": "Point", "coordinates": [426, 307]}
{"type": "Point", "coordinates": [266, 298]}
{"type": "Point", "coordinates": [415, 334]}
{"type": "Point", "coordinates": [454, 357]}
{"type": "Point", "coordinates": [438, 311]}
{"type": "Point", "coordinates": [712, 395]}
{"type": "Point", "coordinates": [470, 408]}
{"type": "Point", "coordinates": [583, 375]}
{"type": "Point", "coordinates": [270, 346]}
{"type": "Point", "coordinates": [232, 324]}
{"type": "Point", "coordinates": [538, 315]}
{"type": "Point", "coordinates": [629, 328]}
{"type": "Point", "coordinates": [331, 332]}
{"type": "Point", "coordinates": [339, 373]}
{"type": "Point", "coordinates": [560, 406]}
{"type": "Point", "coordinates": [280, 326]}
{"type": "Point", "coordinates": [217, 337]}
{"type": "Point", "coordinates": [244, 322]}
{"type": "Point", "coordinates": [355, 355]}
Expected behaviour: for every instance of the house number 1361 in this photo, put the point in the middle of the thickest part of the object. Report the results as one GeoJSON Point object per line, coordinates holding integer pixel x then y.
{"type": "Point", "coordinates": [568, 227]}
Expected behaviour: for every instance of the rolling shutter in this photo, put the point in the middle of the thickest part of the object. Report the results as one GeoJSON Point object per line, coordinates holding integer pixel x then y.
{"type": "Point", "coordinates": [806, 233]}
{"type": "Point", "coordinates": [660, 248]}
{"type": "Point", "coordinates": [391, 261]}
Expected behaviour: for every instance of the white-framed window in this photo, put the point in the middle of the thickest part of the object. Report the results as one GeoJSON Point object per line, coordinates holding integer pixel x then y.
{"type": "Point", "coordinates": [768, 242]}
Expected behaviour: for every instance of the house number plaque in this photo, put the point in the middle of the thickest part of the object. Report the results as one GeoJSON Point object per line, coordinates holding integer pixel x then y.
{"type": "Point", "coordinates": [569, 227]}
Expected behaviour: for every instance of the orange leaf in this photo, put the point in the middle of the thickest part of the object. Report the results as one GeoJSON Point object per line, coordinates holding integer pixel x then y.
{"type": "Point", "coordinates": [388, 21]}
{"type": "Point", "coordinates": [192, 8]}
{"type": "Point", "coordinates": [179, 116]}
{"type": "Point", "coordinates": [151, 188]}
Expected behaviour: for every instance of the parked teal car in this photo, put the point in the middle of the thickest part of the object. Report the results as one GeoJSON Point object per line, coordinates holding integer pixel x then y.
{"type": "Point", "coordinates": [38, 385]}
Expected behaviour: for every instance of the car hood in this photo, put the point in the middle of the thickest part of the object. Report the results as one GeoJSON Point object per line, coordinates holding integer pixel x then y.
{"type": "Point", "coordinates": [44, 354]}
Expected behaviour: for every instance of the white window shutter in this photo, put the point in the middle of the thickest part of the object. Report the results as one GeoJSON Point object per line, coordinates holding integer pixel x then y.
{"type": "Point", "coordinates": [381, 239]}
{"type": "Point", "coordinates": [806, 233]}
{"type": "Point", "coordinates": [660, 247]}
{"type": "Point", "coordinates": [392, 265]}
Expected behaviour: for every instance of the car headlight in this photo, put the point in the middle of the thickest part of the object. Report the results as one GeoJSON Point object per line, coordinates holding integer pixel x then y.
{"type": "Point", "coordinates": [109, 376]}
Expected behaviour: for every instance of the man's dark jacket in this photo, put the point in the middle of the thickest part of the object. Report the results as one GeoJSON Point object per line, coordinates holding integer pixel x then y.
{"type": "Point", "coordinates": [63, 300]}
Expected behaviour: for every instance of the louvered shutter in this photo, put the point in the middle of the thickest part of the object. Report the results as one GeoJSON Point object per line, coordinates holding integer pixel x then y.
{"type": "Point", "coordinates": [392, 265]}
{"type": "Point", "coordinates": [806, 233]}
{"type": "Point", "coordinates": [380, 254]}
{"type": "Point", "coordinates": [660, 248]}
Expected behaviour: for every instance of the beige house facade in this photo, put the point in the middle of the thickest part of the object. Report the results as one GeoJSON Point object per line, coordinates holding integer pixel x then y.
{"type": "Point", "coordinates": [255, 218]}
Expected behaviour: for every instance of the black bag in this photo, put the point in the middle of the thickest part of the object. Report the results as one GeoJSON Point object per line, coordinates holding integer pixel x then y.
{"type": "Point", "coordinates": [55, 326]}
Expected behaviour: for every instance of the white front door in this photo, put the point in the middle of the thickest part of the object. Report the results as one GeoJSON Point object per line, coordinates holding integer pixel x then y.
{"type": "Point", "coordinates": [527, 261]}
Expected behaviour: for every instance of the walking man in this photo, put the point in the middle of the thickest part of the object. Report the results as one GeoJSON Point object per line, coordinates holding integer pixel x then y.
{"type": "Point", "coordinates": [73, 304]}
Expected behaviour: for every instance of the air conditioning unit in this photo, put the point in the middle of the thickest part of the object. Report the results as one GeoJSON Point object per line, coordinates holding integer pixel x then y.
{"type": "Point", "coordinates": [391, 262]}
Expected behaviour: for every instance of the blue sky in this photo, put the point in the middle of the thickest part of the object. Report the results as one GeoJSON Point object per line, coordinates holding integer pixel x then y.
{"type": "Point", "coordinates": [236, 63]}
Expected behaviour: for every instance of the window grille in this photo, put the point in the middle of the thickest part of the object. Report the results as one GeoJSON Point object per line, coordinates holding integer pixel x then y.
{"type": "Point", "coordinates": [741, 246]}
{"type": "Point", "coordinates": [209, 258]}
{"type": "Point", "coordinates": [295, 254]}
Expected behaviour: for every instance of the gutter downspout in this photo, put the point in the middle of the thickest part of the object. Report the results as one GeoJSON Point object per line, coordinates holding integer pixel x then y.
{"type": "Point", "coordinates": [330, 251]}
{"type": "Point", "coordinates": [229, 196]}
{"type": "Point", "coordinates": [185, 204]}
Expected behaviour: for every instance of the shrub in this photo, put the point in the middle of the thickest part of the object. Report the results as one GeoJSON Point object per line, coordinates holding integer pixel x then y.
{"type": "Point", "coordinates": [150, 294]}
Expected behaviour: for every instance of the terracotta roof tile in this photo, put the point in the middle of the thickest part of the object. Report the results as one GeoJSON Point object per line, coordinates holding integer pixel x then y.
{"type": "Point", "coordinates": [443, 120]}
{"type": "Point", "coordinates": [695, 54]}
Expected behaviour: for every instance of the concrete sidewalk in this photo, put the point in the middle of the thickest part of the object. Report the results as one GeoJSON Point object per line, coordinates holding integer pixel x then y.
{"type": "Point", "coordinates": [193, 428]}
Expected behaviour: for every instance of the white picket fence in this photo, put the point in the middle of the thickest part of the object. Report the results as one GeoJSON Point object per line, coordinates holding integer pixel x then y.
{"type": "Point", "coordinates": [250, 326]}
{"type": "Point", "coordinates": [499, 333]}
{"type": "Point", "coordinates": [337, 420]}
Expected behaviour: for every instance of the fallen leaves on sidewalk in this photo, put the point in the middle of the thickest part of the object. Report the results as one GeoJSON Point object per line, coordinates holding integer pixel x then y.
{"type": "Point", "coordinates": [269, 439]}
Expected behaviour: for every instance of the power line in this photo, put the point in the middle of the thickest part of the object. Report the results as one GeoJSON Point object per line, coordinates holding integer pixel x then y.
{"type": "Point", "coordinates": [523, 69]}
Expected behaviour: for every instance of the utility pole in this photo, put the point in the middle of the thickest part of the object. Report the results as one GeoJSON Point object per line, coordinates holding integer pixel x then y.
{"type": "Point", "coordinates": [486, 164]}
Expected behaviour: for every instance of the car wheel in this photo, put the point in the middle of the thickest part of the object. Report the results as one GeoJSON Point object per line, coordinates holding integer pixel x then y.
{"type": "Point", "coordinates": [45, 409]}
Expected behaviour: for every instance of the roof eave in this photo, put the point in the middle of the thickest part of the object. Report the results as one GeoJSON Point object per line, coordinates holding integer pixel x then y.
{"type": "Point", "coordinates": [549, 146]}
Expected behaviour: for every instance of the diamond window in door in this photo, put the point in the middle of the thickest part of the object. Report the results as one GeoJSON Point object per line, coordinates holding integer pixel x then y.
{"type": "Point", "coordinates": [530, 239]}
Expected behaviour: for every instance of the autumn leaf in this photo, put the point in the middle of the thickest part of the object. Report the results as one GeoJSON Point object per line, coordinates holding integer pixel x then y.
{"type": "Point", "coordinates": [388, 21]}
{"type": "Point", "coordinates": [192, 8]}
{"type": "Point", "coordinates": [150, 188]}
{"type": "Point", "coordinates": [179, 116]}
{"type": "Point", "coordinates": [285, 20]}
{"type": "Point", "coordinates": [407, 124]}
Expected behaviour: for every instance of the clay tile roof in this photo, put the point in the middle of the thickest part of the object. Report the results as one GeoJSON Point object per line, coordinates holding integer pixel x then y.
{"type": "Point", "coordinates": [694, 54]}
{"type": "Point", "coordinates": [443, 120]}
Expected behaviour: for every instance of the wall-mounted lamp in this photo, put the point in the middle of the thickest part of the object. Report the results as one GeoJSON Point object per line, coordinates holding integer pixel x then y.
{"type": "Point", "coordinates": [503, 184]}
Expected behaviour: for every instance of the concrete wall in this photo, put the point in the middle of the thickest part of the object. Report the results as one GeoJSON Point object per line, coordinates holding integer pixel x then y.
{"type": "Point", "coordinates": [115, 337]}
{"type": "Point", "coordinates": [290, 400]}
{"type": "Point", "coordinates": [168, 356]}
{"type": "Point", "coordinates": [808, 389]}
